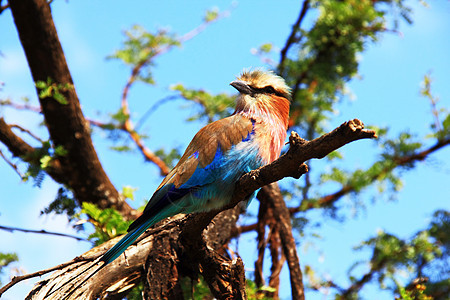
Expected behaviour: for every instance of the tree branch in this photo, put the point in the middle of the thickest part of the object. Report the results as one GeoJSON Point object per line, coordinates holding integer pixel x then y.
{"type": "Point", "coordinates": [277, 258]}
{"type": "Point", "coordinates": [27, 132]}
{"type": "Point", "coordinates": [17, 146]}
{"type": "Point", "coordinates": [11, 229]}
{"type": "Point", "coordinates": [398, 161]}
{"type": "Point", "coordinates": [272, 194]}
{"type": "Point", "coordinates": [186, 231]}
{"type": "Point", "coordinates": [292, 37]}
{"type": "Point", "coordinates": [262, 242]}
{"type": "Point", "coordinates": [128, 124]}
{"type": "Point", "coordinates": [17, 279]}
{"type": "Point", "coordinates": [290, 164]}
{"type": "Point", "coordinates": [20, 106]}
{"type": "Point", "coordinates": [65, 122]}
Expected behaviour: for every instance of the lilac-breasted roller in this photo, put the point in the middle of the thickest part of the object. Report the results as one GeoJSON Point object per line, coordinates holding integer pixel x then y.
{"type": "Point", "coordinates": [219, 154]}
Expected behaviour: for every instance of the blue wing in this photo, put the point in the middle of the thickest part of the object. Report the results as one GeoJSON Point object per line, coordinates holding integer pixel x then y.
{"type": "Point", "coordinates": [203, 179]}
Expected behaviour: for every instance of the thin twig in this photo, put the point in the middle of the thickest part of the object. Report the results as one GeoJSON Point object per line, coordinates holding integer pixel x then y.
{"type": "Point", "coordinates": [26, 131]}
{"type": "Point", "coordinates": [17, 279]}
{"type": "Point", "coordinates": [11, 229]}
{"type": "Point", "coordinates": [292, 37]}
{"type": "Point", "coordinates": [128, 125]}
{"type": "Point", "coordinates": [98, 123]}
{"type": "Point", "coordinates": [37, 109]}
{"type": "Point", "coordinates": [11, 164]}
{"type": "Point", "coordinates": [261, 55]}
{"type": "Point", "coordinates": [153, 108]}
{"type": "Point", "coordinates": [20, 106]}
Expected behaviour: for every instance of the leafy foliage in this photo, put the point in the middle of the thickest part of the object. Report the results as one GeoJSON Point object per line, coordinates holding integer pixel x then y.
{"type": "Point", "coordinates": [415, 293]}
{"type": "Point", "coordinates": [258, 293]}
{"type": "Point", "coordinates": [422, 255]}
{"type": "Point", "coordinates": [213, 107]}
{"type": "Point", "coordinates": [442, 130]}
{"type": "Point", "coordinates": [6, 259]}
{"type": "Point", "coordinates": [64, 203]}
{"type": "Point", "coordinates": [327, 58]}
{"type": "Point", "coordinates": [128, 192]}
{"type": "Point", "coordinates": [50, 89]}
{"type": "Point", "coordinates": [169, 158]}
{"type": "Point", "coordinates": [211, 15]}
{"type": "Point", "coordinates": [108, 223]}
{"type": "Point", "coordinates": [40, 160]}
{"type": "Point", "coordinates": [140, 47]}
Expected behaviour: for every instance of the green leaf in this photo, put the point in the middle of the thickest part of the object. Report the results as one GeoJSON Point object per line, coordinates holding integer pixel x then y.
{"type": "Point", "coordinates": [108, 222]}
{"type": "Point", "coordinates": [45, 92]}
{"type": "Point", "coordinates": [41, 84]}
{"type": "Point", "coordinates": [45, 161]}
{"type": "Point", "coordinates": [211, 15]}
{"type": "Point", "coordinates": [91, 210]}
{"type": "Point", "coordinates": [60, 98]}
{"type": "Point", "coordinates": [266, 48]}
{"type": "Point", "coordinates": [64, 203]}
{"type": "Point", "coordinates": [6, 259]}
{"type": "Point", "coordinates": [60, 151]}
{"type": "Point", "coordinates": [128, 192]}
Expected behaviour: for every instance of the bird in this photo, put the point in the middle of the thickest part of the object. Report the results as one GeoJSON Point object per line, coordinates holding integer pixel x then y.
{"type": "Point", "coordinates": [219, 154]}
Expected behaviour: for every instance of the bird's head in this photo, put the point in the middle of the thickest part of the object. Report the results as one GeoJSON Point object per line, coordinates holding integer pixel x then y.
{"type": "Point", "coordinates": [262, 94]}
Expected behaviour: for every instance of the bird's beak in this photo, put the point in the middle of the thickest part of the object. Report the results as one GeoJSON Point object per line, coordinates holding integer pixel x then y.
{"type": "Point", "coordinates": [242, 87]}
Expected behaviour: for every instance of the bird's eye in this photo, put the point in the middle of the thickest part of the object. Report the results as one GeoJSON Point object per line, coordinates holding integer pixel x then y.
{"type": "Point", "coordinates": [269, 89]}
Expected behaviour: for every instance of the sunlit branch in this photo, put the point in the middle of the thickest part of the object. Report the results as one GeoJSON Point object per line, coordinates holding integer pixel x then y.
{"type": "Point", "coordinates": [128, 125]}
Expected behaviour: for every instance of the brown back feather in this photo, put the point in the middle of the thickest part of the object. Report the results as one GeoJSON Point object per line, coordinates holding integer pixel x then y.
{"type": "Point", "coordinates": [223, 133]}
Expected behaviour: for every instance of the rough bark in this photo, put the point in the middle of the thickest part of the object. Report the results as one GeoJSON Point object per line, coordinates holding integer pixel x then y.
{"type": "Point", "coordinates": [272, 194]}
{"type": "Point", "coordinates": [65, 122]}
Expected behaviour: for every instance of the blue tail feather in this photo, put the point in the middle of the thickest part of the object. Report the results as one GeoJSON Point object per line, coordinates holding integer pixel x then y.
{"type": "Point", "coordinates": [151, 215]}
{"type": "Point", "coordinates": [125, 242]}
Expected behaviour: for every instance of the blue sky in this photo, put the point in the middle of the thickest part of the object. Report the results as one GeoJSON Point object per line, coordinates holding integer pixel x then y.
{"type": "Point", "coordinates": [386, 94]}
